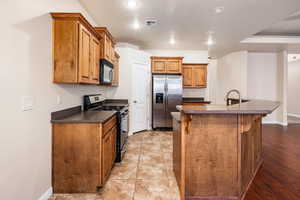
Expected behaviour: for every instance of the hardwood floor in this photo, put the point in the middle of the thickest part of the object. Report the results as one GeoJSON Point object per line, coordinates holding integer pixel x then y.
{"type": "Point", "coordinates": [279, 177]}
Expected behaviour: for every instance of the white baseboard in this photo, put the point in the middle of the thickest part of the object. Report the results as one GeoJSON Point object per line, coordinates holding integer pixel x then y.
{"type": "Point", "coordinates": [275, 122]}
{"type": "Point", "coordinates": [293, 115]}
{"type": "Point", "coordinates": [47, 194]}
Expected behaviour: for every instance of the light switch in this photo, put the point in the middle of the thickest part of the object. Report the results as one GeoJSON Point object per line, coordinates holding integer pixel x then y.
{"type": "Point", "coordinates": [58, 99]}
{"type": "Point", "coordinates": [27, 103]}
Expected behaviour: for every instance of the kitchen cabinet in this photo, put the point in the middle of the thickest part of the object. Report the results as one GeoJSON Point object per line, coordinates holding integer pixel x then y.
{"type": "Point", "coordinates": [166, 65]}
{"type": "Point", "coordinates": [75, 49]}
{"type": "Point", "coordinates": [107, 48]}
{"type": "Point", "coordinates": [194, 75]}
{"type": "Point", "coordinates": [83, 155]}
{"type": "Point", "coordinates": [116, 69]}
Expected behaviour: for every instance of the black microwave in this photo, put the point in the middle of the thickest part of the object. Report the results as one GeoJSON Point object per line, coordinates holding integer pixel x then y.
{"type": "Point", "coordinates": [106, 71]}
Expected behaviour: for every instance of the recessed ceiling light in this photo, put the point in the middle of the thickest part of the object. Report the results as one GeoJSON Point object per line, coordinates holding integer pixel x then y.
{"type": "Point", "coordinates": [210, 41]}
{"type": "Point", "coordinates": [131, 4]}
{"type": "Point", "coordinates": [136, 25]}
{"type": "Point", "coordinates": [219, 10]}
{"type": "Point", "coordinates": [172, 41]}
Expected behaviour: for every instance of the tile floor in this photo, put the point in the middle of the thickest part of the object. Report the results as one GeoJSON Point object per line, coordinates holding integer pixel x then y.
{"type": "Point", "coordinates": [144, 174]}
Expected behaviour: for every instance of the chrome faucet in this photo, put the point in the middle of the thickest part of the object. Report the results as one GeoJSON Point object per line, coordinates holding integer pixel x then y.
{"type": "Point", "coordinates": [231, 91]}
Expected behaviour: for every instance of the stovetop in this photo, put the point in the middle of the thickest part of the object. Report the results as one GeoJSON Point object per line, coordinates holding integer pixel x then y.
{"type": "Point", "coordinates": [111, 107]}
{"type": "Point", "coordinates": [97, 102]}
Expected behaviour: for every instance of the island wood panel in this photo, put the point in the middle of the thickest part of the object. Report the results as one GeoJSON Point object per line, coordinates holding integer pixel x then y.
{"type": "Point", "coordinates": [220, 155]}
{"type": "Point", "coordinates": [250, 148]}
{"type": "Point", "coordinates": [177, 148]}
{"type": "Point", "coordinates": [75, 153]}
{"type": "Point", "coordinates": [211, 157]}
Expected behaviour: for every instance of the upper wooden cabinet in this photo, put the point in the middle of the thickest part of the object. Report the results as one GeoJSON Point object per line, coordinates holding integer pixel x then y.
{"type": "Point", "coordinates": [194, 75]}
{"type": "Point", "coordinates": [116, 73]}
{"type": "Point", "coordinates": [166, 65]}
{"type": "Point", "coordinates": [108, 43]}
{"type": "Point", "coordinates": [76, 47]}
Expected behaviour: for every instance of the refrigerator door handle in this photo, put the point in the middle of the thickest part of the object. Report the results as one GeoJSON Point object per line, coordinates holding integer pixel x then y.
{"type": "Point", "coordinates": [166, 95]}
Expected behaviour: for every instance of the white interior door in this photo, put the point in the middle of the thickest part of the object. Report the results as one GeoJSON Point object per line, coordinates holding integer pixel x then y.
{"type": "Point", "coordinates": [139, 104]}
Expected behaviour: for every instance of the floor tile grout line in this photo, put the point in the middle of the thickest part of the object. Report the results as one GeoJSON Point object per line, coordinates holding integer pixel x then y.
{"type": "Point", "coordinates": [138, 163]}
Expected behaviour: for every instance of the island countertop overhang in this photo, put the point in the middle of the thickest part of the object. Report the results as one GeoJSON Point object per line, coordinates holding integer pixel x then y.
{"type": "Point", "coordinates": [263, 107]}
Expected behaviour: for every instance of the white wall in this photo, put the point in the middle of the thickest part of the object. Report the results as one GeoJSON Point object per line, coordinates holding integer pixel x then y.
{"type": "Point", "coordinates": [26, 68]}
{"type": "Point", "coordinates": [266, 81]}
{"type": "Point", "coordinates": [293, 87]}
{"type": "Point", "coordinates": [262, 78]}
{"type": "Point", "coordinates": [232, 74]}
{"type": "Point", "coordinates": [189, 57]}
{"type": "Point", "coordinates": [213, 81]}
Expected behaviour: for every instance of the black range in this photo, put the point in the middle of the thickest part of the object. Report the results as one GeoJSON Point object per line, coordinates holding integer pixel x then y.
{"type": "Point", "coordinates": [96, 103]}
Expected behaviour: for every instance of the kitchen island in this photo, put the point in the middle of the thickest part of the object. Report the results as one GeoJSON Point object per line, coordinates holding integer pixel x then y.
{"type": "Point", "coordinates": [217, 149]}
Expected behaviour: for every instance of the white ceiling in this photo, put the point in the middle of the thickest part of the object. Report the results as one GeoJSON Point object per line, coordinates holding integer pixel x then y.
{"type": "Point", "coordinates": [288, 27]}
{"type": "Point", "coordinates": [189, 21]}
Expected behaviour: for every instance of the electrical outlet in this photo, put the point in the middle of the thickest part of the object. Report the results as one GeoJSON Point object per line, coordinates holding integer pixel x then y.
{"type": "Point", "coordinates": [27, 103]}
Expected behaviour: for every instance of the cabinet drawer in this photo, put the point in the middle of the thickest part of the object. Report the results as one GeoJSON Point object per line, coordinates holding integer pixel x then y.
{"type": "Point", "coordinates": [109, 124]}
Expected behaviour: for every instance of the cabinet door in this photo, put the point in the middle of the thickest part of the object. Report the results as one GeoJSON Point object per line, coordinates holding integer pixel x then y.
{"type": "Point", "coordinates": [112, 51]}
{"type": "Point", "coordinates": [115, 81]}
{"type": "Point", "coordinates": [158, 66]}
{"type": "Point", "coordinates": [187, 77]}
{"type": "Point", "coordinates": [95, 56]}
{"type": "Point", "coordinates": [173, 66]}
{"type": "Point", "coordinates": [106, 156]}
{"type": "Point", "coordinates": [84, 55]}
{"type": "Point", "coordinates": [113, 145]}
{"type": "Point", "coordinates": [199, 77]}
{"type": "Point", "coordinates": [107, 48]}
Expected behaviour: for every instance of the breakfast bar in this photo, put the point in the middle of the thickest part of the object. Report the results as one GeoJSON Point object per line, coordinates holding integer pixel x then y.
{"type": "Point", "coordinates": [217, 149]}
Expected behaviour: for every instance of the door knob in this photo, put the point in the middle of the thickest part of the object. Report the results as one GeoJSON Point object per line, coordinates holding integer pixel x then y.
{"type": "Point", "coordinates": [135, 101]}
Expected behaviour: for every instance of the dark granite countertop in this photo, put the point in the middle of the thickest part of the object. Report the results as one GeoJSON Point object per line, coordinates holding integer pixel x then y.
{"type": "Point", "coordinates": [250, 107]}
{"type": "Point", "coordinates": [194, 100]}
{"type": "Point", "coordinates": [78, 116]}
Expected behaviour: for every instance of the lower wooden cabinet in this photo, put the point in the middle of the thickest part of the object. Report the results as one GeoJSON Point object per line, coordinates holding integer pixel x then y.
{"type": "Point", "coordinates": [194, 75]}
{"type": "Point", "coordinates": [108, 153]}
{"type": "Point", "coordinates": [83, 155]}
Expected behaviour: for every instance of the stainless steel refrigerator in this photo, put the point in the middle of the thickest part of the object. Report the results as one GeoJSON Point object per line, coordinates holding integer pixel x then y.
{"type": "Point", "coordinates": [166, 95]}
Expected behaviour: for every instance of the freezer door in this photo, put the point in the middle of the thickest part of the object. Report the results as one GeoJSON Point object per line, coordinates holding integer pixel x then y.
{"type": "Point", "coordinates": [174, 96]}
{"type": "Point", "coordinates": [158, 101]}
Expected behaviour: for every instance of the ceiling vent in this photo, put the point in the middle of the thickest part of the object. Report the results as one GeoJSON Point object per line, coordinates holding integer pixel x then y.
{"type": "Point", "coordinates": [151, 22]}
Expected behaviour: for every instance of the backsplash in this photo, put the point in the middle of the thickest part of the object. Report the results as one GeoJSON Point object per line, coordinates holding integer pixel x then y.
{"type": "Point", "coordinates": [194, 92]}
